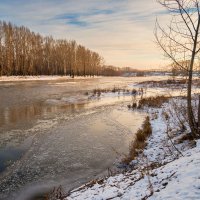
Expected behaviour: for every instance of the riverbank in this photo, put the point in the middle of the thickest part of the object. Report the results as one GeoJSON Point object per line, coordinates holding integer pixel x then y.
{"type": "Point", "coordinates": [168, 168]}
{"type": "Point", "coordinates": [41, 78]}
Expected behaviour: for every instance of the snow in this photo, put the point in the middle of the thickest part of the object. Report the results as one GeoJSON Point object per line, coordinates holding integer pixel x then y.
{"type": "Point", "coordinates": [39, 78]}
{"type": "Point", "coordinates": [157, 174]}
{"type": "Point", "coordinates": [185, 178]}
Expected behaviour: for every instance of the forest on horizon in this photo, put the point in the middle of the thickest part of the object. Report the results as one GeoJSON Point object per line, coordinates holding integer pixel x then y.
{"type": "Point", "coordinates": [23, 52]}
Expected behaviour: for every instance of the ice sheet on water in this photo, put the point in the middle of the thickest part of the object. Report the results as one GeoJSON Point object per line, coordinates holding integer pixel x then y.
{"type": "Point", "coordinates": [75, 150]}
{"type": "Point", "coordinates": [75, 99]}
{"type": "Point", "coordinates": [78, 99]}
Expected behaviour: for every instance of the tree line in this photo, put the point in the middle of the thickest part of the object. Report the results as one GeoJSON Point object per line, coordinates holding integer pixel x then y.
{"type": "Point", "coordinates": [23, 52]}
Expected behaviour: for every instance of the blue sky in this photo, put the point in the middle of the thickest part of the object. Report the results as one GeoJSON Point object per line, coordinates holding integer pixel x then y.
{"type": "Point", "coordinates": [120, 30]}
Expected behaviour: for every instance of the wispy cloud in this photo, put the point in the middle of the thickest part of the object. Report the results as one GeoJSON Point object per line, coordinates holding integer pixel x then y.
{"type": "Point", "coordinates": [80, 18]}
{"type": "Point", "coordinates": [121, 30]}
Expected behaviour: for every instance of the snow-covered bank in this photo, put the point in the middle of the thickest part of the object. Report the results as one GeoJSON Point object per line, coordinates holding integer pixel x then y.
{"type": "Point", "coordinates": [159, 173]}
{"type": "Point", "coordinates": [39, 78]}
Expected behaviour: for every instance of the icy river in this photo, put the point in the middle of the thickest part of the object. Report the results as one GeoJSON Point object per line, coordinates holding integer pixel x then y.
{"type": "Point", "coordinates": [53, 133]}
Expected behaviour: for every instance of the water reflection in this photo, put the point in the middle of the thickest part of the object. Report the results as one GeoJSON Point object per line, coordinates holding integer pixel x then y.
{"type": "Point", "coordinates": [8, 156]}
{"type": "Point", "coordinates": [11, 115]}
{"type": "Point", "coordinates": [24, 114]}
{"type": "Point", "coordinates": [71, 104]}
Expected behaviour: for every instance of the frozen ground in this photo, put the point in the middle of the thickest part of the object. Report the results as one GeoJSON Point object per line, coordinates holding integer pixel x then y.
{"type": "Point", "coordinates": [35, 78]}
{"type": "Point", "coordinates": [160, 172]}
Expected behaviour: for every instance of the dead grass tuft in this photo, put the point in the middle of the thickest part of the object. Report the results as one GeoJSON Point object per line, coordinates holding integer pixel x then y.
{"type": "Point", "coordinates": [155, 102]}
{"type": "Point", "coordinates": [56, 194]}
{"type": "Point", "coordinates": [185, 137]}
{"type": "Point", "coordinates": [139, 143]}
{"type": "Point", "coordinates": [99, 91]}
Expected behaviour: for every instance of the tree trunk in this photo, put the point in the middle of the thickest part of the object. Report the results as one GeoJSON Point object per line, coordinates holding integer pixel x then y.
{"type": "Point", "coordinates": [191, 118]}
{"type": "Point", "coordinates": [189, 105]}
{"type": "Point", "coordinates": [199, 117]}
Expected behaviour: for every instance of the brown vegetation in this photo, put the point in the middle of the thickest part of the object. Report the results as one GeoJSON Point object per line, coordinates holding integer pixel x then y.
{"type": "Point", "coordinates": [55, 194]}
{"type": "Point", "coordinates": [139, 143]}
{"type": "Point", "coordinates": [23, 52]}
{"type": "Point", "coordinates": [164, 83]}
{"type": "Point", "coordinates": [99, 91]}
{"type": "Point", "coordinates": [155, 102]}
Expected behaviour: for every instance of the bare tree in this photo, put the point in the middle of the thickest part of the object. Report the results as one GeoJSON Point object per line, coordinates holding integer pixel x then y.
{"type": "Point", "coordinates": [1, 48]}
{"type": "Point", "coordinates": [181, 43]}
{"type": "Point", "coordinates": [23, 52]}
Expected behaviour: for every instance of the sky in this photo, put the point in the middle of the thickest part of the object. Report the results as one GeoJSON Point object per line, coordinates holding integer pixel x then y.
{"type": "Point", "coordinates": [119, 30]}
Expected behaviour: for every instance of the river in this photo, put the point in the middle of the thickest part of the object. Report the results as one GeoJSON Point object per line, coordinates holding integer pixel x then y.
{"type": "Point", "coordinates": [52, 133]}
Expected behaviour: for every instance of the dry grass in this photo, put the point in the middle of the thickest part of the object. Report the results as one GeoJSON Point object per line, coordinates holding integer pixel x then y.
{"type": "Point", "coordinates": [99, 91]}
{"type": "Point", "coordinates": [133, 106]}
{"type": "Point", "coordinates": [134, 92]}
{"type": "Point", "coordinates": [55, 194]}
{"type": "Point", "coordinates": [155, 102]}
{"type": "Point", "coordinates": [164, 83]}
{"type": "Point", "coordinates": [185, 137]}
{"type": "Point", "coordinates": [139, 143]}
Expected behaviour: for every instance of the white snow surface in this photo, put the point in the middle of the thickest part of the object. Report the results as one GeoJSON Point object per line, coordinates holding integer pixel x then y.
{"type": "Point", "coordinates": [40, 78]}
{"type": "Point", "coordinates": [158, 174]}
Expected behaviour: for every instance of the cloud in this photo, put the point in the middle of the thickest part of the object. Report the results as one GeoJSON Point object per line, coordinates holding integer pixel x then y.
{"type": "Point", "coordinates": [77, 18]}
{"type": "Point", "coordinates": [120, 30]}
